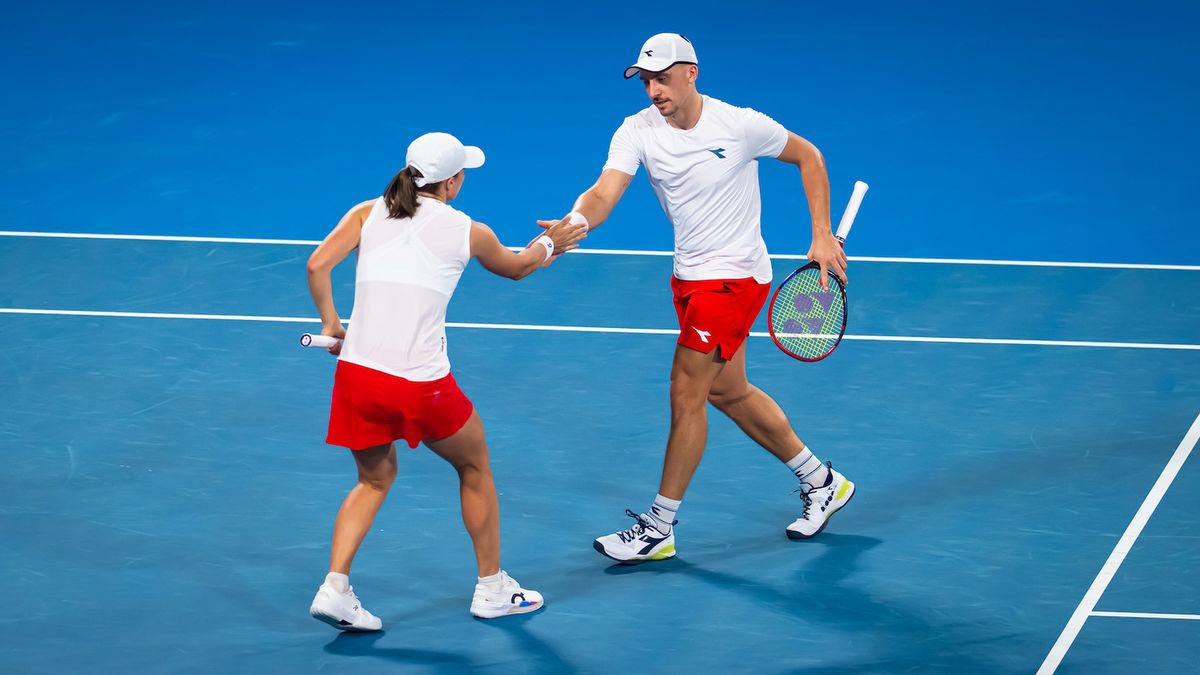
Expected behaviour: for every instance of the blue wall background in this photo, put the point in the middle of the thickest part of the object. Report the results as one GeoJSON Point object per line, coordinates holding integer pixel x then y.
{"type": "Point", "coordinates": [1026, 130]}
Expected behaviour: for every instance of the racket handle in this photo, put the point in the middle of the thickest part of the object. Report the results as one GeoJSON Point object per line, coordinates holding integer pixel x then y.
{"type": "Point", "coordinates": [856, 197]}
{"type": "Point", "coordinates": [325, 341]}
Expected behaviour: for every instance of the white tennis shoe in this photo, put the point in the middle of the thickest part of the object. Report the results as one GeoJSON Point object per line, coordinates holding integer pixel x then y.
{"type": "Point", "coordinates": [640, 543]}
{"type": "Point", "coordinates": [495, 600]}
{"type": "Point", "coordinates": [820, 504]}
{"type": "Point", "coordinates": [343, 611]}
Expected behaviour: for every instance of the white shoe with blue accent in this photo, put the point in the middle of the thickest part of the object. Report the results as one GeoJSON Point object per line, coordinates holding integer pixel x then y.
{"type": "Point", "coordinates": [820, 504]}
{"type": "Point", "coordinates": [640, 543]}
{"type": "Point", "coordinates": [495, 600]}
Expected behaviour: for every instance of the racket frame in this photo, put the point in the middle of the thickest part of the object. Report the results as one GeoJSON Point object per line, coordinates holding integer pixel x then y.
{"type": "Point", "coordinates": [841, 288]}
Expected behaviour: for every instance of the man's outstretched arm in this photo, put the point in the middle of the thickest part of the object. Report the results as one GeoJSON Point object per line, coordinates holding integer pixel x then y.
{"type": "Point", "coordinates": [597, 202]}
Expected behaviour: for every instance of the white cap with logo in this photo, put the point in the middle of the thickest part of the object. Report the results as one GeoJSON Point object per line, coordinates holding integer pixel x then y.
{"type": "Point", "coordinates": [439, 156]}
{"type": "Point", "coordinates": [661, 52]}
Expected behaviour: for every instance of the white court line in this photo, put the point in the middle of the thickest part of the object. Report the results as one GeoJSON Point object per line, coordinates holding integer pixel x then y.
{"type": "Point", "coordinates": [1087, 606]}
{"type": "Point", "coordinates": [1004, 341]}
{"type": "Point", "coordinates": [153, 237]}
{"type": "Point", "coordinates": [606, 329]}
{"type": "Point", "coordinates": [159, 315]}
{"type": "Point", "coordinates": [615, 251]}
{"type": "Point", "coordinates": [1148, 615]}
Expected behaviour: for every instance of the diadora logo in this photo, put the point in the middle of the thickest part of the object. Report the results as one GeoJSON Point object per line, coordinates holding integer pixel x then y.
{"type": "Point", "coordinates": [649, 52]}
{"type": "Point", "coordinates": [717, 152]}
{"type": "Point", "coordinates": [703, 334]}
{"type": "Point", "coordinates": [651, 542]}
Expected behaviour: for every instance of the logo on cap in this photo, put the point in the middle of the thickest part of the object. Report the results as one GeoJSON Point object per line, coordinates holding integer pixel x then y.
{"type": "Point", "coordinates": [649, 52]}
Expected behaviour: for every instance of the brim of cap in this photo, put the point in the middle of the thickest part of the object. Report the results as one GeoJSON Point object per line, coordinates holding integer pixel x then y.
{"type": "Point", "coordinates": [475, 157]}
{"type": "Point", "coordinates": [650, 65]}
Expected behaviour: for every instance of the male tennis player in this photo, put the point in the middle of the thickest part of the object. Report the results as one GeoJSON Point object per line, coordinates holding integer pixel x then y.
{"type": "Point", "coordinates": [701, 156]}
{"type": "Point", "coordinates": [393, 376]}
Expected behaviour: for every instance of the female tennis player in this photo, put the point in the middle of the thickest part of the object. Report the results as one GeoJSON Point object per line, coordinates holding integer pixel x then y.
{"type": "Point", "coordinates": [393, 377]}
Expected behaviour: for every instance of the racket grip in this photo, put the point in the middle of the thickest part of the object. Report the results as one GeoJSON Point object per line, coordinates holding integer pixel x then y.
{"type": "Point", "coordinates": [325, 341]}
{"type": "Point", "coordinates": [856, 197]}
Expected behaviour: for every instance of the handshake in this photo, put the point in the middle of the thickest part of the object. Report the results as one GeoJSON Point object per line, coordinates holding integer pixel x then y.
{"type": "Point", "coordinates": [561, 235]}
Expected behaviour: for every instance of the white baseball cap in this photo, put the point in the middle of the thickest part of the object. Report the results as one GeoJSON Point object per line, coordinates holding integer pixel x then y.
{"type": "Point", "coordinates": [661, 52]}
{"type": "Point", "coordinates": [439, 156]}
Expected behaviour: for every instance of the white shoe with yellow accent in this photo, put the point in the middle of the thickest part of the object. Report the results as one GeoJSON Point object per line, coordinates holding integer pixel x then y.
{"type": "Point", "coordinates": [820, 504]}
{"type": "Point", "coordinates": [640, 543]}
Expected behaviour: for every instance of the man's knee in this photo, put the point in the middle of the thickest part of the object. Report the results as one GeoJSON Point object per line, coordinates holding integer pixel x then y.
{"type": "Point", "coordinates": [692, 377]}
{"type": "Point", "coordinates": [724, 399]}
{"type": "Point", "coordinates": [687, 395]}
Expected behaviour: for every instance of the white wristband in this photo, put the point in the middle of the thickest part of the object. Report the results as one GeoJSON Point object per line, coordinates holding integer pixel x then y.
{"type": "Point", "coordinates": [547, 243]}
{"type": "Point", "coordinates": [578, 218]}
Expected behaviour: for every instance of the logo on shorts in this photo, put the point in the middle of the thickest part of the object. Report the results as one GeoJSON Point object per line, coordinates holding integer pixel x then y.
{"type": "Point", "coordinates": [703, 334]}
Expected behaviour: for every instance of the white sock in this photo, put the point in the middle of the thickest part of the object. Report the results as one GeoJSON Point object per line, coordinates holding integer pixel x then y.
{"type": "Point", "coordinates": [338, 581]}
{"type": "Point", "coordinates": [663, 511]}
{"type": "Point", "coordinates": [809, 469]}
{"type": "Point", "coordinates": [493, 581]}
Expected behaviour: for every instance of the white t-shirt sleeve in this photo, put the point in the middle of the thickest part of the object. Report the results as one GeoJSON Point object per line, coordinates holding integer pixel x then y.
{"type": "Point", "coordinates": [764, 136]}
{"type": "Point", "coordinates": [624, 155]}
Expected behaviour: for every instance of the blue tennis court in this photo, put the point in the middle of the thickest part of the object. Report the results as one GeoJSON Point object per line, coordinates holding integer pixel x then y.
{"type": "Point", "coordinates": [1021, 432]}
{"type": "Point", "coordinates": [168, 499]}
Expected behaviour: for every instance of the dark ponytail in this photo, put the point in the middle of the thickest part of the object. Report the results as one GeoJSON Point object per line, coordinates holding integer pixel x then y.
{"type": "Point", "coordinates": [401, 194]}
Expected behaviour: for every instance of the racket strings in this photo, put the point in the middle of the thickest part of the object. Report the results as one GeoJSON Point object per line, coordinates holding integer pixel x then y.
{"type": "Point", "coordinates": [806, 318]}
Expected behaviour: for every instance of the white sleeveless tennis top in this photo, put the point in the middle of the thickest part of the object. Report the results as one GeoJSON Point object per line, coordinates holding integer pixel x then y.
{"type": "Point", "coordinates": [407, 271]}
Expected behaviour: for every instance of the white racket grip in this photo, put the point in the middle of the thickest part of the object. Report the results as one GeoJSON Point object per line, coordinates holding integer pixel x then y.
{"type": "Point", "coordinates": [856, 197]}
{"type": "Point", "coordinates": [325, 341]}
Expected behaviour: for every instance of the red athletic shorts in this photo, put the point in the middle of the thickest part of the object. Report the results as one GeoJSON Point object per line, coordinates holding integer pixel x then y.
{"type": "Point", "coordinates": [374, 408]}
{"type": "Point", "coordinates": [717, 312]}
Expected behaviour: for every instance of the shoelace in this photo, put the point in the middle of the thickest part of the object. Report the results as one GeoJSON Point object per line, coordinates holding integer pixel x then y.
{"type": "Point", "coordinates": [350, 592]}
{"type": "Point", "coordinates": [633, 532]}
{"type": "Point", "coordinates": [804, 496]}
{"type": "Point", "coordinates": [804, 493]}
{"type": "Point", "coordinates": [507, 584]}
{"type": "Point", "coordinates": [357, 604]}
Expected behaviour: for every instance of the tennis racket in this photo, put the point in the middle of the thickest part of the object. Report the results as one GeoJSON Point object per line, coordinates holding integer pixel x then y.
{"type": "Point", "coordinates": [311, 340]}
{"type": "Point", "coordinates": [807, 321]}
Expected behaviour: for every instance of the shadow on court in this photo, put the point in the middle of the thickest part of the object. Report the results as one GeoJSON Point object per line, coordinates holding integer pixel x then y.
{"type": "Point", "coordinates": [527, 648]}
{"type": "Point", "coordinates": [531, 647]}
{"type": "Point", "coordinates": [914, 638]}
{"type": "Point", "coordinates": [363, 644]}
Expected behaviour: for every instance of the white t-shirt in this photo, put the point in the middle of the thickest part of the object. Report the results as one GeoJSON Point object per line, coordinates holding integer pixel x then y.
{"type": "Point", "coordinates": [706, 179]}
{"type": "Point", "coordinates": [407, 271]}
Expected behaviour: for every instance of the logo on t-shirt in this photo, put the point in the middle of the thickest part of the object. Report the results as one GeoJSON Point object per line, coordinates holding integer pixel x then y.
{"type": "Point", "coordinates": [717, 152]}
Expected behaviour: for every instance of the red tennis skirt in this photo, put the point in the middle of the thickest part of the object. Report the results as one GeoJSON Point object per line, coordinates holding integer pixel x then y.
{"type": "Point", "coordinates": [373, 408]}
